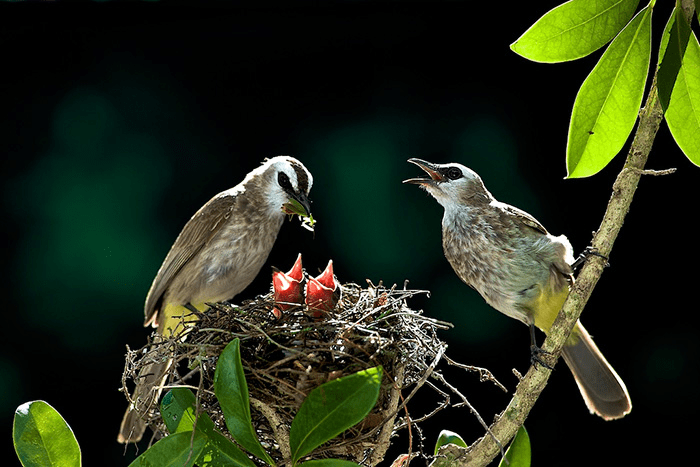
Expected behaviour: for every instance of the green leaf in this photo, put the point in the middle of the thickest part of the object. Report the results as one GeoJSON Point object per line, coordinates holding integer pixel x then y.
{"type": "Point", "coordinates": [178, 450]}
{"type": "Point", "coordinates": [574, 29]}
{"type": "Point", "coordinates": [332, 408]}
{"type": "Point", "coordinates": [42, 437]}
{"type": "Point", "coordinates": [608, 102]}
{"type": "Point", "coordinates": [678, 80]}
{"type": "Point", "coordinates": [232, 392]}
{"type": "Point", "coordinates": [178, 409]}
{"type": "Point", "coordinates": [518, 453]}
{"type": "Point", "coordinates": [221, 452]}
{"type": "Point", "coordinates": [448, 437]}
{"type": "Point", "coordinates": [676, 33]}
{"type": "Point", "coordinates": [329, 463]}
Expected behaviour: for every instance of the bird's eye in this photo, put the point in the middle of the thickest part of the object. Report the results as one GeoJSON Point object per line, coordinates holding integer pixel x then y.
{"type": "Point", "coordinates": [284, 182]}
{"type": "Point", "coordinates": [453, 173]}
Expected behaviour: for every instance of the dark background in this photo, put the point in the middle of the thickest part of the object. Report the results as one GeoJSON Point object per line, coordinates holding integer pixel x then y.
{"type": "Point", "coordinates": [120, 120]}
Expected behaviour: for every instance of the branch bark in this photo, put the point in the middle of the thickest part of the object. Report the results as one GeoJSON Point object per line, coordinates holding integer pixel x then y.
{"type": "Point", "coordinates": [506, 425]}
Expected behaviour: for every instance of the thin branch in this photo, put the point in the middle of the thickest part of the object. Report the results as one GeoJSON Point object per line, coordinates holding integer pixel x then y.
{"type": "Point", "coordinates": [484, 450]}
{"type": "Point", "coordinates": [281, 433]}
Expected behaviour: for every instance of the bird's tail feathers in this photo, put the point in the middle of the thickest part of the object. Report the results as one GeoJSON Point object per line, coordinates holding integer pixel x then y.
{"type": "Point", "coordinates": [602, 389]}
{"type": "Point", "coordinates": [146, 394]}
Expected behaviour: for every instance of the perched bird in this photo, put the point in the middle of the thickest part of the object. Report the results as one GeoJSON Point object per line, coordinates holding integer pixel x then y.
{"type": "Point", "coordinates": [286, 288]}
{"type": "Point", "coordinates": [322, 292]}
{"type": "Point", "coordinates": [520, 270]}
{"type": "Point", "coordinates": [218, 253]}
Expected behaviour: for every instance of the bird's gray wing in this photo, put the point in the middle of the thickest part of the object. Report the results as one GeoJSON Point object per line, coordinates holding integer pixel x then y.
{"type": "Point", "coordinates": [194, 236]}
{"type": "Point", "coordinates": [559, 265]}
{"type": "Point", "coordinates": [523, 217]}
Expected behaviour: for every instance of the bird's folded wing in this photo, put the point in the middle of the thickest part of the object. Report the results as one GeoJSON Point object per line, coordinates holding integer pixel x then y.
{"type": "Point", "coordinates": [194, 236]}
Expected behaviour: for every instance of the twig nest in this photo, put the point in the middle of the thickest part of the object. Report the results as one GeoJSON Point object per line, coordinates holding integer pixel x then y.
{"type": "Point", "coordinates": [284, 359]}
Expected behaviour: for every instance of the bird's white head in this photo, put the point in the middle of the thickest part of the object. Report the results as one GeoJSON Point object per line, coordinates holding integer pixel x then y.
{"type": "Point", "coordinates": [284, 183]}
{"type": "Point", "coordinates": [451, 184]}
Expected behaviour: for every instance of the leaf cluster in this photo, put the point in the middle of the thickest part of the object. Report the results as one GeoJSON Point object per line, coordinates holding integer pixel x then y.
{"type": "Point", "coordinates": [42, 437]}
{"type": "Point", "coordinates": [195, 440]}
{"type": "Point", "coordinates": [279, 391]}
{"type": "Point", "coordinates": [609, 100]}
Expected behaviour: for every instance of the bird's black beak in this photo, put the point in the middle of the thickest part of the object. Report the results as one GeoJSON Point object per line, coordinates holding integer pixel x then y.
{"type": "Point", "coordinates": [305, 202]}
{"type": "Point", "coordinates": [298, 204]}
{"type": "Point", "coordinates": [429, 168]}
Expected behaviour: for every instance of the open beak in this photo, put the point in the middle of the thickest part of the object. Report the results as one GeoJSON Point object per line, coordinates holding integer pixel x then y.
{"type": "Point", "coordinates": [429, 168]}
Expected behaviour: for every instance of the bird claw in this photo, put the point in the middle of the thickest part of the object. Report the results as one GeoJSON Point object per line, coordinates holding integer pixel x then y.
{"type": "Point", "coordinates": [587, 253]}
{"type": "Point", "coordinates": [536, 354]}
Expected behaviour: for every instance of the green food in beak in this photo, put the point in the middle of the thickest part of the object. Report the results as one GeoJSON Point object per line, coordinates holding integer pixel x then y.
{"type": "Point", "coordinates": [294, 207]}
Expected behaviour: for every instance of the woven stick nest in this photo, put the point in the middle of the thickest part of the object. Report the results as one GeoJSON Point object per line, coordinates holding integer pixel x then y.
{"type": "Point", "coordinates": [285, 359]}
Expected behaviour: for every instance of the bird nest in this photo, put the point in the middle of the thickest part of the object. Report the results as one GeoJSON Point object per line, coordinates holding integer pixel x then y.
{"type": "Point", "coordinates": [284, 359]}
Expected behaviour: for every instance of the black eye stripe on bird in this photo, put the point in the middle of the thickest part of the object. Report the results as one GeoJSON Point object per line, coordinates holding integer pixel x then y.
{"type": "Point", "coordinates": [521, 270]}
{"type": "Point", "coordinates": [302, 177]}
{"type": "Point", "coordinates": [213, 259]}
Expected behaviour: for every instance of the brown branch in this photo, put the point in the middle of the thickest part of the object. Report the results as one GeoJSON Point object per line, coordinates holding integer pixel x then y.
{"type": "Point", "coordinates": [279, 429]}
{"type": "Point", "coordinates": [484, 450]}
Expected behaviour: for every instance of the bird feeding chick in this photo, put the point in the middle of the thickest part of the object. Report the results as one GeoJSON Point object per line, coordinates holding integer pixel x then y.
{"type": "Point", "coordinates": [218, 253]}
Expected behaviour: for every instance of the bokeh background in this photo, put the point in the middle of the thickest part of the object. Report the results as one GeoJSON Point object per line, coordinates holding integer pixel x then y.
{"type": "Point", "coordinates": [120, 120]}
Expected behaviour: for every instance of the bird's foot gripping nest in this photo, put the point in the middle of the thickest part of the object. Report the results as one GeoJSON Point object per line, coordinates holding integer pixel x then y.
{"type": "Point", "coordinates": [285, 359]}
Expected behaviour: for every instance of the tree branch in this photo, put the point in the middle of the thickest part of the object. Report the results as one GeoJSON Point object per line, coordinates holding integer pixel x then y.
{"type": "Point", "coordinates": [484, 450]}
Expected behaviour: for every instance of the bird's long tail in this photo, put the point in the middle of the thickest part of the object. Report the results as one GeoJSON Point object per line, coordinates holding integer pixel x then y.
{"type": "Point", "coordinates": [175, 320]}
{"type": "Point", "coordinates": [602, 389]}
{"type": "Point", "coordinates": [146, 394]}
